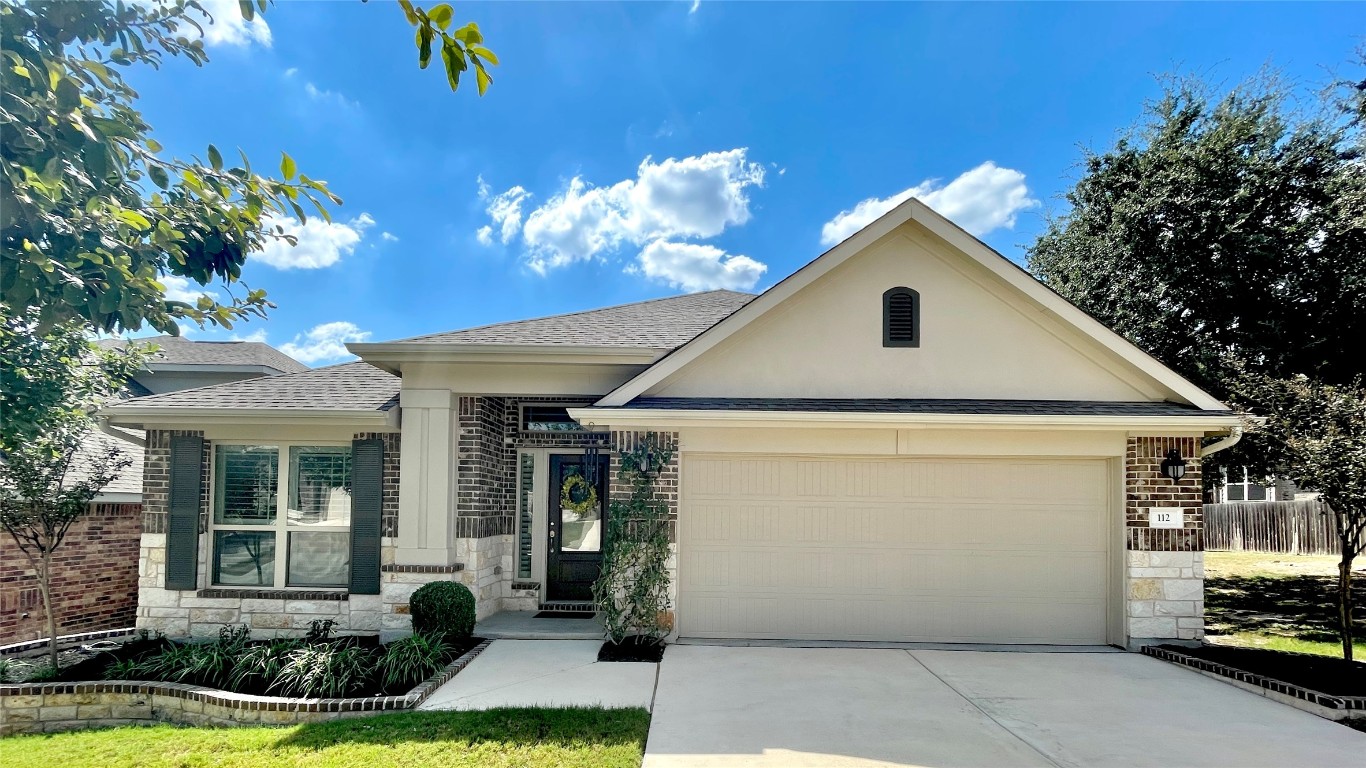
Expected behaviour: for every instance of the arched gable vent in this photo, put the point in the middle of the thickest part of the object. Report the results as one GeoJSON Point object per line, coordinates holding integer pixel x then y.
{"type": "Point", "coordinates": [901, 318]}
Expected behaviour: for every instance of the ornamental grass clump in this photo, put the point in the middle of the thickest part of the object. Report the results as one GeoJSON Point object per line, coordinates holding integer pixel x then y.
{"type": "Point", "coordinates": [411, 660]}
{"type": "Point", "coordinates": [443, 608]}
{"type": "Point", "coordinates": [325, 671]}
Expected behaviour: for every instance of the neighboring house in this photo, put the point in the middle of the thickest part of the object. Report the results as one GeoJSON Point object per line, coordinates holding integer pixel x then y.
{"type": "Point", "coordinates": [909, 438]}
{"type": "Point", "coordinates": [97, 587]}
{"type": "Point", "coordinates": [1239, 485]}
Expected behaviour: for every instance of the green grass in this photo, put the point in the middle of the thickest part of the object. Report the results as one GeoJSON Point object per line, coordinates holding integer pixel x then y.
{"type": "Point", "coordinates": [563, 738]}
{"type": "Point", "coordinates": [1281, 602]}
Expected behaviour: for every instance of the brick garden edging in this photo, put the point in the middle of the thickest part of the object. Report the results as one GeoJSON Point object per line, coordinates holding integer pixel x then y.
{"type": "Point", "coordinates": [50, 707]}
{"type": "Point", "coordinates": [1321, 704]}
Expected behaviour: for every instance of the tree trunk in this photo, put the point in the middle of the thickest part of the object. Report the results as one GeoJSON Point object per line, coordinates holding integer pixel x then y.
{"type": "Point", "coordinates": [45, 589]}
{"type": "Point", "coordinates": [1345, 602]}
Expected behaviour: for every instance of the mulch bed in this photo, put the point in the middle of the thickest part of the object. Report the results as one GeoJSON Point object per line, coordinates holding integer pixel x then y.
{"type": "Point", "coordinates": [633, 649]}
{"type": "Point", "coordinates": [1324, 674]}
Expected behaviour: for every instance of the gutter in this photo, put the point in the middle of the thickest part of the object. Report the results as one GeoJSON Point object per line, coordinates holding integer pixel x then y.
{"type": "Point", "coordinates": [1235, 434]}
{"type": "Point", "coordinates": [104, 426]}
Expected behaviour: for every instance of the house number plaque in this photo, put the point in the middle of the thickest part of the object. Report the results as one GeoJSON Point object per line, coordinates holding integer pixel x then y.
{"type": "Point", "coordinates": [1166, 517]}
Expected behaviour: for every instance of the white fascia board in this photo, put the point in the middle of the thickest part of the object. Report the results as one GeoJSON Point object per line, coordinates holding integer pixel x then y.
{"type": "Point", "coordinates": [631, 418]}
{"type": "Point", "coordinates": [912, 210]}
{"type": "Point", "coordinates": [390, 356]}
{"type": "Point", "coordinates": [191, 418]}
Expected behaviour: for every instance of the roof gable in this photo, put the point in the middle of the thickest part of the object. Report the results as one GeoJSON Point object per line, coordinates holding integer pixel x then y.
{"type": "Point", "coordinates": [990, 331]}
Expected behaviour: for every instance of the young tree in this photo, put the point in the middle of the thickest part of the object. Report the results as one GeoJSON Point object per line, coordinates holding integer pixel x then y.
{"type": "Point", "coordinates": [1316, 433]}
{"type": "Point", "coordinates": [49, 469]}
{"type": "Point", "coordinates": [92, 218]}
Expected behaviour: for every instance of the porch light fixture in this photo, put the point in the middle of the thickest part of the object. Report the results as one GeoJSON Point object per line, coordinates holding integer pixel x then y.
{"type": "Point", "coordinates": [1174, 466]}
{"type": "Point", "coordinates": [647, 459]}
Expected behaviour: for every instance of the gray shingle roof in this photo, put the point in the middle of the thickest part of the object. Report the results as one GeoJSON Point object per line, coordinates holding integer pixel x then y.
{"type": "Point", "coordinates": [94, 445]}
{"type": "Point", "coordinates": [350, 386]}
{"type": "Point", "coordinates": [656, 324]}
{"type": "Point", "coordinates": [945, 406]}
{"type": "Point", "coordinates": [177, 350]}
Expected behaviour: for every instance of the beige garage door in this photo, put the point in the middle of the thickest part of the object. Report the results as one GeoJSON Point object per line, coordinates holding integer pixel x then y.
{"type": "Point", "coordinates": [961, 550]}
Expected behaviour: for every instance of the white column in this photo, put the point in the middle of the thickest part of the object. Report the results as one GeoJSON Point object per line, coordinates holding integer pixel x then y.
{"type": "Point", "coordinates": [426, 491]}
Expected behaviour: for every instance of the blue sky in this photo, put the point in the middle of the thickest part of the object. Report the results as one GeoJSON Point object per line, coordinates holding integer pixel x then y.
{"type": "Point", "coordinates": [626, 152]}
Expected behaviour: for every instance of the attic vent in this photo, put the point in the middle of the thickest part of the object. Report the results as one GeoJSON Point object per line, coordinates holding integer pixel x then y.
{"type": "Point", "coordinates": [901, 318]}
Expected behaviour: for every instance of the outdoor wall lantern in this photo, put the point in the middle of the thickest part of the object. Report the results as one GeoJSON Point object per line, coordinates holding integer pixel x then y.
{"type": "Point", "coordinates": [647, 458]}
{"type": "Point", "coordinates": [1174, 466]}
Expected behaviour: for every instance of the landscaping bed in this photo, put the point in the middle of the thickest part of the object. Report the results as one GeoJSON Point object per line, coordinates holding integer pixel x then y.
{"type": "Point", "coordinates": [1324, 674]}
{"type": "Point", "coordinates": [636, 648]}
{"type": "Point", "coordinates": [499, 738]}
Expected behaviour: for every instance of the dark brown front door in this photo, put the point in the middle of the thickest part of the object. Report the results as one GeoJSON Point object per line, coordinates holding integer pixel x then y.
{"type": "Point", "coordinates": [577, 519]}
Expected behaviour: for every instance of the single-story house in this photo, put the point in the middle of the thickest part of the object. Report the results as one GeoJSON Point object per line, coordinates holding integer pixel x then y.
{"type": "Point", "coordinates": [908, 439]}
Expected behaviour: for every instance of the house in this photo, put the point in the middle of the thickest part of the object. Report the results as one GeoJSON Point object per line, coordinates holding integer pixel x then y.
{"type": "Point", "coordinates": [909, 438]}
{"type": "Point", "coordinates": [98, 588]}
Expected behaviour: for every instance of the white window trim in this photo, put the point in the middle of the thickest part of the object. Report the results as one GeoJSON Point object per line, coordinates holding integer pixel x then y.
{"type": "Point", "coordinates": [280, 525]}
{"type": "Point", "coordinates": [1245, 483]}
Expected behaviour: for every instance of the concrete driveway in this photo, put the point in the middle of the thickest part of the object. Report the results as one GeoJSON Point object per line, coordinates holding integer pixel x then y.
{"type": "Point", "coordinates": [728, 706]}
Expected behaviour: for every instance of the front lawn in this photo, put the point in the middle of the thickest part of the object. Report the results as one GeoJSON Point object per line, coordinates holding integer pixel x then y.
{"type": "Point", "coordinates": [1276, 601]}
{"type": "Point", "coordinates": [564, 738]}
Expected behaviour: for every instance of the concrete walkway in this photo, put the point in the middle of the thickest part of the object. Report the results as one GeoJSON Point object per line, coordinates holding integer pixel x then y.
{"type": "Point", "coordinates": [723, 707]}
{"type": "Point", "coordinates": [546, 673]}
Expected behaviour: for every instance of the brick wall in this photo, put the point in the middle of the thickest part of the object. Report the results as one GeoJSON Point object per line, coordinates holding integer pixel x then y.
{"type": "Point", "coordinates": [95, 575]}
{"type": "Point", "coordinates": [484, 480]}
{"type": "Point", "coordinates": [389, 503]}
{"type": "Point", "coordinates": [665, 485]}
{"type": "Point", "coordinates": [1165, 569]}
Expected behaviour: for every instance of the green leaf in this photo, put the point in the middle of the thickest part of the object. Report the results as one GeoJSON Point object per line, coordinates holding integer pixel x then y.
{"type": "Point", "coordinates": [441, 15]}
{"type": "Point", "coordinates": [483, 53]}
{"type": "Point", "coordinates": [287, 166]}
{"type": "Point", "coordinates": [248, 10]}
{"type": "Point", "coordinates": [424, 46]}
{"type": "Point", "coordinates": [159, 176]}
{"type": "Point", "coordinates": [454, 59]}
{"type": "Point", "coordinates": [153, 146]}
{"type": "Point", "coordinates": [481, 77]}
{"type": "Point", "coordinates": [96, 160]}
{"type": "Point", "coordinates": [408, 11]}
{"type": "Point", "coordinates": [215, 157]}
{"type": "Point", "coordinates": [468, 34]}
{"type": "Point", "coordinates": [68, 94]}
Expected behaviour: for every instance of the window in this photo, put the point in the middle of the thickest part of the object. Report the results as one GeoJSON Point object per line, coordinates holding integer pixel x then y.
{"type": "Point", "coordinates": [549, 418]}
{"type": "Point", "coordinates": [901, 318]}
{"type": "Point", "coordinates": [259, 543]}
{"type": "Point", "coordinates": [1240, 486]}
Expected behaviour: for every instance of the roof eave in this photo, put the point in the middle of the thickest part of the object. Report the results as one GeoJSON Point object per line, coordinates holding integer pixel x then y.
{"type": "Point", "coordinates": [659, 417]}
{"type": "Point", "coordinates": [144, 417]}
{"type": "Point", "coordinates": [390, 356]}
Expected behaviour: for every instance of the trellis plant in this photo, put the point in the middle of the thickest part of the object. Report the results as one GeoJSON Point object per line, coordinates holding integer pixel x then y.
{"type": "Point", "coordinates": [632, 594]}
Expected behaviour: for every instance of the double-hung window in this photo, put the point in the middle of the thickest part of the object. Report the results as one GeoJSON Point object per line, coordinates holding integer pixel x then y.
{"type": "Point", "coordinates": [281, 515]}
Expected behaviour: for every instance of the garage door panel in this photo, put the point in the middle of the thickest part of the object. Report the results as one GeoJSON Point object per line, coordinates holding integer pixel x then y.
{"type": "Point", "coordinates": [846, 549]}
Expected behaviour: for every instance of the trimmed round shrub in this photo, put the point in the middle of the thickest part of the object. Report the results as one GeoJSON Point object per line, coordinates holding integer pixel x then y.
{"type": "Point", "coordinates": [443, 608]}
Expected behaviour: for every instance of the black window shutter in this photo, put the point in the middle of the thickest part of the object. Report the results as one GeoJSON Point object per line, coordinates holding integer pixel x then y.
{"type": "Point", "coordinates": [183, 504]}
{"type": "Point", "coordinates": [367, 495]}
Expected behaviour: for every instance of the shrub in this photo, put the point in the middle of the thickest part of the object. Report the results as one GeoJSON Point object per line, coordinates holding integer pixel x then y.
{"type": "Point", "coordinates": [326, 671]}
{"type": "Point", "coordinates": [443, 608]}
{"type": "Point", "coordinates": [208, 664]}
{"type": "Point", "coordinates": [409, 661]}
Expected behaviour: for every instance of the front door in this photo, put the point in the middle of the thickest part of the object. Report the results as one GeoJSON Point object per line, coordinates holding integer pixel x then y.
{"type": "Point", "coordinates": [578, 507]}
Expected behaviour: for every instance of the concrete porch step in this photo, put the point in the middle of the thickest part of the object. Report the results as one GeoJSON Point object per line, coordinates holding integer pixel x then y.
{"type": "Point", "coordinates": [519, 625]}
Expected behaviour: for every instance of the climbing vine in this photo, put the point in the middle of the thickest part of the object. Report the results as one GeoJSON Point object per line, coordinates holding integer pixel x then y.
{"type": "Point", "coordinates": [632, 594]}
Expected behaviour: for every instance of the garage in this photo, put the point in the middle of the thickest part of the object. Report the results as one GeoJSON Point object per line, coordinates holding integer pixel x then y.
{"type": "Point", "coordinates": [972, 550]}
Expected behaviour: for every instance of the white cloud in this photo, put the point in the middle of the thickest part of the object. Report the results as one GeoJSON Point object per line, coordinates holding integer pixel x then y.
{"type": "Point", "coordinates": [257, 335]}
{"type": "Point", "coordinates": [227, 26]}
{"type": "Point", "coordinates": [694, 267]}
{"type": "Point", "coordinates": [388, 237]}
{"type": "Point", "coordinates": [291, 72]}
{"type": "Point", "coordinates": [695, 5]}
{"type": "Point", "coordinates": [320, 243]}
{"type": "Point", "coordinates": [331, 97]}
{"type": "Point", "coordinates": [505, 209]}
{"type": "Point", "coordinates": [184, 289]}
{"type": "Point", "coordinates": [983, 199]}
{"type": "Point", "coordinates": [324, 343]}
{"type": "Point", "coordinates": [677, 198]}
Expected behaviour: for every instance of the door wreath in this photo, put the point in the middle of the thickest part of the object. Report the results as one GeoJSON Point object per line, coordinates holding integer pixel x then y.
{"type": "Point", "coordinates": [578, 496]}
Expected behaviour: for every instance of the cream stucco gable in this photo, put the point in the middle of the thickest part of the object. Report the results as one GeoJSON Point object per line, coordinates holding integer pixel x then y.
{"type": "Point", "coordinates": [987, 331]}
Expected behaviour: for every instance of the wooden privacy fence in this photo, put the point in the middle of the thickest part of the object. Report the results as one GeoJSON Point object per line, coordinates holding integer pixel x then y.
{"type": "Point", "coordinates": [1293, 527]}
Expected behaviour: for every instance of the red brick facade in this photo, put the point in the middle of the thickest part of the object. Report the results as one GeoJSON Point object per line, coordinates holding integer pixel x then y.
{"type": "Point", "coordinates": [1146, 486]}
{"type": "Point", "coordinates": [95, 577]}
